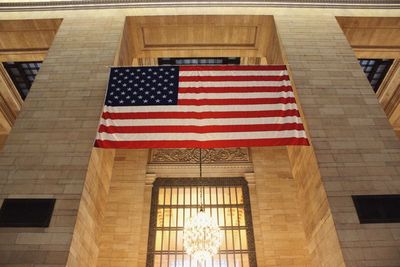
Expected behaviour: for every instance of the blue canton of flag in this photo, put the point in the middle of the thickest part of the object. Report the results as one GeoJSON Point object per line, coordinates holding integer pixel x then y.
{"type": "Point", "coordinates": [143, 86]}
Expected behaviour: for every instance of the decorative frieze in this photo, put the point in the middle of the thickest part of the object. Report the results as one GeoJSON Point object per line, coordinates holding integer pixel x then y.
{"type": "Point", "coordinates": [192, 155]}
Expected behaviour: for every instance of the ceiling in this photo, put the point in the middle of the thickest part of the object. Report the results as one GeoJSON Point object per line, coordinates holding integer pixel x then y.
{"type": "Point", "coordinates": [372, 37]}
{"type": "Point", "coordinates": [179, 36]}
{"type": "Point", "coordinates": [20, 35]}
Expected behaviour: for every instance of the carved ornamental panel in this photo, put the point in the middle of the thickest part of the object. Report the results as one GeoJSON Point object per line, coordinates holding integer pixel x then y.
{"type": "Point", "coordinates": [192, 155]}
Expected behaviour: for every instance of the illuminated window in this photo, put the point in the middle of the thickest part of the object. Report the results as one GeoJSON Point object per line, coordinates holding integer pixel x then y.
{"type": "Point", "coordinates": [174, 201]}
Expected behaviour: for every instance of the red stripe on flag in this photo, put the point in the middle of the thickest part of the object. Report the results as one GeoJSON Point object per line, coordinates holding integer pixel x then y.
{"type": "Point", "coordinates": [227, 68]}
{"type": "Point", "coordinates": [266, 89]}
{"type": "Point", "coordinates": [202, 144]}
{"type": "Point", "coordinates": [199, 115]}
{"type": "Point", "coordinates": [232, 78]}
{"type": "Point", "coordinates": [201, 102]}
{"type": "Point", "coordinates": [200, 129]}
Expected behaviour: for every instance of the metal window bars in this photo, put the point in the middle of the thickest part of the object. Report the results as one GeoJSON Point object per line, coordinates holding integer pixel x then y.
{"type": "Point", "coordinates": [176, 199]}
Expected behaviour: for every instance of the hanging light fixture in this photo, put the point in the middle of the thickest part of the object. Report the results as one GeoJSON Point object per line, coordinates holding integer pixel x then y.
{"type": "Point", "coordinates": [201, 234]}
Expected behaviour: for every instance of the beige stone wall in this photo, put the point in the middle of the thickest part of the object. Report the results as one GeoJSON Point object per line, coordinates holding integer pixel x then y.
{"type": "Point", "coordinates": [356, 149]}
{"type": "Point", "coordinates": [87, 232]}
{"type": "Point", "coordinates": [322, 240]}
{"type": "Point", "coordinates": [278, 229]}
{"type": "Point", "coordinates": [48, 151]}
{"type": "Point", "coordinates": [127, 212]}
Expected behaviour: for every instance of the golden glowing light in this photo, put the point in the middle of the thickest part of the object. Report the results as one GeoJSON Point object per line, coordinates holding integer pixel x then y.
{"type": "Point", "coordinates": [202, 237]}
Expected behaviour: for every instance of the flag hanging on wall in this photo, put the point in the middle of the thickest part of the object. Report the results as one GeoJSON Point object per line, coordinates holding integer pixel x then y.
{"type": "Point", "coordinates": [199, 107]}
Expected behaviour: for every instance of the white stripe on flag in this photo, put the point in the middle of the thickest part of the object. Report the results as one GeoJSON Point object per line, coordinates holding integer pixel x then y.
{"type": "Point", "coordinates": [234, 95]}
{"type": "Point", "coordinates": [200, 122]}
{"type": "Point", "coordinates": [202, 137]}
{"type": "Point", "coordinates": [233, 73]}
{"type": "Point", "coordinates": [211, 108]}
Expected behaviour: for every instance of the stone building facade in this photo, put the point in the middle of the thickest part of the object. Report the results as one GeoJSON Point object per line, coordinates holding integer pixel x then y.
{"type": "Point", "coordinates": [301, 197]}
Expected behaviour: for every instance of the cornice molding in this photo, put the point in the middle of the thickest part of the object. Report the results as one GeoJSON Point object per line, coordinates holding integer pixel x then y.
{"type": "Point", "coordinates": [112, 4]}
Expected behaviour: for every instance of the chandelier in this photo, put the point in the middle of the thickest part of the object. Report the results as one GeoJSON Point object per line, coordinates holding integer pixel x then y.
{"type": "Point", "coordinates": [201, 234]}
{"type": "Point", "coordinates": [201, 237]}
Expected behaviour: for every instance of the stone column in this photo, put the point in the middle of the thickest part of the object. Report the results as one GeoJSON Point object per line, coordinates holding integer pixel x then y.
{"type": "Point", "coordinates": [47, 153]}
{"type": "Point", "coordinates": [356, 149]}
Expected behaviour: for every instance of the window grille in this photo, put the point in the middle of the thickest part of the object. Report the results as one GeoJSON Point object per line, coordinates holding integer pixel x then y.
{"type": "Point", "coordinates": [174, 201]}
{"type": "Point", "coordinates": [22, 74]}
{"type": "Point", "coordinates": [199, 61]}
{"type": "Point", "coordinates": [375, 70]}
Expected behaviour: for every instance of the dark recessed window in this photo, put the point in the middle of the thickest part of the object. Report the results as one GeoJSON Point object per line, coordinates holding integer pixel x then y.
{"type": "Point", "coordinates": [26, 212]}
{"type": "Point", "coordinates": [22, 74]}
{"type": "Point", "coordinates": [174, 201]}
{"type": "Point", "coordinates": [199, 61]}
{"type": "Point", "coordinates": [375, 70]}
{"type": "Point", "coordinates": [378, 208]}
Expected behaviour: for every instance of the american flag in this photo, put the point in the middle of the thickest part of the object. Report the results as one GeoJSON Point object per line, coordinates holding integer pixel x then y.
{"type": "Point", "coordinates": [199, 107]}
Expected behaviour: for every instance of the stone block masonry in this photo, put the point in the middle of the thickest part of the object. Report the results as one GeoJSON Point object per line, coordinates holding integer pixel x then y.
{"type": "Point", "coordinates": [47, 154]}
{"type": "Point", "coordinates": [356, 149]}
